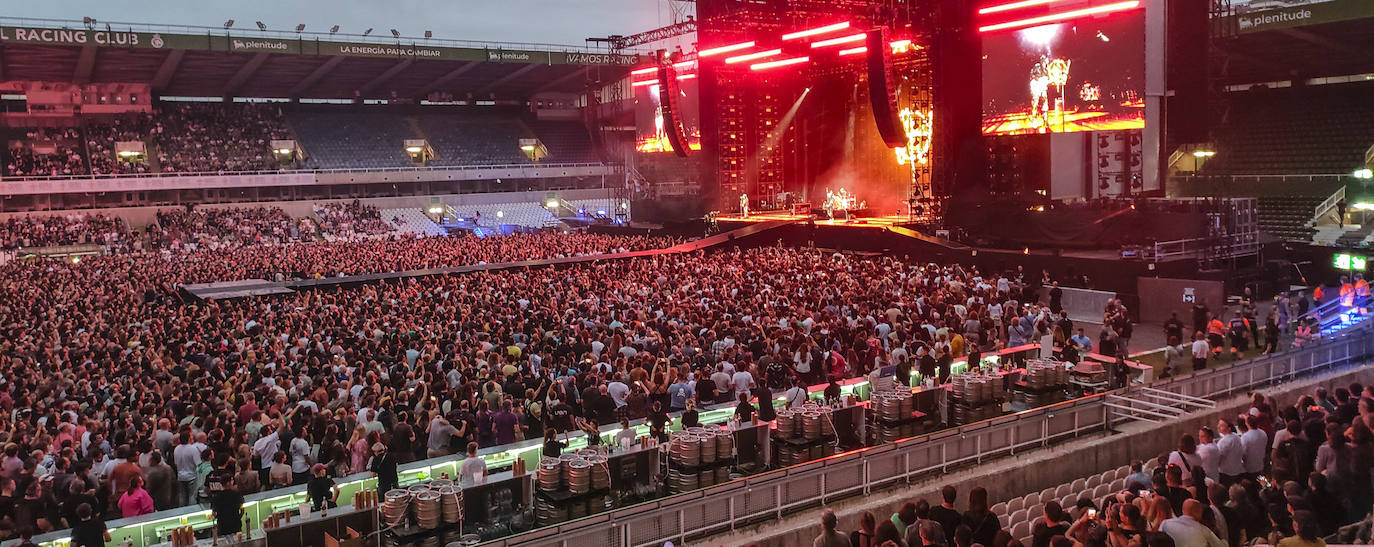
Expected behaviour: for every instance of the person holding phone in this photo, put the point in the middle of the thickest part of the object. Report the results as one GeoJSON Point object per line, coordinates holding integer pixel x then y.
{"type": "Point", "coordinates": [1056, 523]}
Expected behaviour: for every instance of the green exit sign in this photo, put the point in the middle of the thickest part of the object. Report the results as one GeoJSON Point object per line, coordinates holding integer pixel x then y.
{"type": "Point", "coordinates": [1349, 262]}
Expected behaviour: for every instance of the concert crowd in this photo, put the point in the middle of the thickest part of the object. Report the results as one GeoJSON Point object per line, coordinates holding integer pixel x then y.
{"type": "Point", "coordinates": [106, 372]}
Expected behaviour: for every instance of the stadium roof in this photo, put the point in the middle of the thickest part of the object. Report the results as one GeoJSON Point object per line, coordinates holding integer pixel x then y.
{"type": "Point", "coordinates": [1330, 49]}
{"type": "Point", "coordinates": [215, 62]}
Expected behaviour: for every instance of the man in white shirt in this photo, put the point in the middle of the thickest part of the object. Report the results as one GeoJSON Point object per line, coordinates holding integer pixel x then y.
{"type": "Point", "coordinates": [722, 381]}
{"type": "Point", "coordinates": [186, 456]}
{"type": "Point", "coordinates": [1230, 454]}
{"type": "Point", "coordinates": [1208, 452]}
{"type": "Point", "coordinates": [617, 389]}
{"type": "Point", "coordinates": [300, 460]}
{"type": "Point", "coordinates": [1187, 530]}
{"type": "Point", "coordinates": [796, 395]}
{"type": "Point", "coordinates": [1256, 446]}
{"type": "Point", "coordinates": [742, 381]}
{"type": "Point", "coordinates": [471, 466]}
{"type": "Point", "coordinates": [1200, 351]}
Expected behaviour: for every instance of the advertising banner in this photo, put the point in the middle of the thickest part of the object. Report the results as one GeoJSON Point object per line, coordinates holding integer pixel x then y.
{"type": "Point", "coordinates": [300, 46]}
{"type": "Point", "coordinates": [1262, 15]}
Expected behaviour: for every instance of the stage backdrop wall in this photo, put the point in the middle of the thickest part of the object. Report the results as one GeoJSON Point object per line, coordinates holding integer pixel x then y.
{"type": "Point", "coordinates": [1167, 295]}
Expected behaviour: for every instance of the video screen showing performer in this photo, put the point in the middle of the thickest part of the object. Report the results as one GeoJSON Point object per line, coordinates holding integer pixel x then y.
{"type": "Point", "coordinates": [1085, 75]}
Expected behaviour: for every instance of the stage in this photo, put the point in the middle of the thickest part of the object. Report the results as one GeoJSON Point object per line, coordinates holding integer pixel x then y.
{"type": "Point", "coordinates": [880, 222]}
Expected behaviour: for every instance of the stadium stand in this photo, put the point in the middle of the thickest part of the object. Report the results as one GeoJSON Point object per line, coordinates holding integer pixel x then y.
{"type": "Point", "coordinates": [200, 137]}
{"type": "Point", "coordinates": [103, 134]}
{"type": "Point", "coordinates": [366, 140]}
{"type": "Point", "coordinates": [473, 139]}
{"type": "Point", "coordinates": [232, 137]}
{"type": "Point", "coordinates": [1288, 217]}
{"type": "Point", "coordinates": [411, 221]}
{"type": "Point", "coordinates": [1308, 130]}
{"type": "Point", "coordinates": [567, 141]}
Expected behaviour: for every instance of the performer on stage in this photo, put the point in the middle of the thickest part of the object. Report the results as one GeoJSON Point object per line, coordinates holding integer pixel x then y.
{"type": "Point", "coordinates": [744, 205]}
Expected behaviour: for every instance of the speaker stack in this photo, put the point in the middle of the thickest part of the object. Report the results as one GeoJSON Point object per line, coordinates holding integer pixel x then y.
{"type": "Point", "coordinates": [882, 90]}
{"type": "Point", "coordinates": [668, 93]}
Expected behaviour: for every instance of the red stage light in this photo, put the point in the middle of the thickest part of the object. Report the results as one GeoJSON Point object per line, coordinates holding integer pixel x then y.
{"type": "Point", "coordinates": [684, 64]}
{"type": "Point", "coordinates": [838, 41]}
{"type": "Point", "coordinates": [899, 43]}
{"type": "Point", "coordinates": [649, 70]}
{"type": "Point", "coordinates": [686, 76]}
{"type": "Point", "coordinates": [815, 31]}
{"type": "Point", "coordinates": [643, 83]}
{"type": "Point", "coordinates": [724, 49]}
{"type": "Point", "coordinates": [1014, 5]}
{"type": "Point", "coordinates": [775, 64]}
{"type": "Point", "coordinates": [752, 56]}
{"type": "Point", "coordinates": [854, 51]}
{"type": "Point", "coordinates": [1036, 21]}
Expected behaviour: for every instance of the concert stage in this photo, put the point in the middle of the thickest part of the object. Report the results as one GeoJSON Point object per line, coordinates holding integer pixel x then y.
{"type": "Point", "coordinates": [732, 219]}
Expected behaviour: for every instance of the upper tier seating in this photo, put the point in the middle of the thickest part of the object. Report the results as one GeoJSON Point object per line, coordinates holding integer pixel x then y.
{"type": "Point", "coordinates": [353, 140]}
{"type": "Point", "coordinates": [567, 141]}
{"type": "Point", "coordinates": [467, 139]}
{"type": "Point", "coordinates": [1313, 130]}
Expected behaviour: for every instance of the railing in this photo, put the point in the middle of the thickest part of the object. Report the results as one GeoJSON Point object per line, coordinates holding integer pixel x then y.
{"type": "Point", "coordinates": [771, 495]}
{"type": "Point", "coordinates": [378, 38]}
{"type": "Point", "coordinates": [1233, 245]}
{"type": "Point", "coordinates": [1326, 206]}
{"type": "Point", "coordinates": [1261, 177]}
{"type": "Point", "coordinates": [479, 167]}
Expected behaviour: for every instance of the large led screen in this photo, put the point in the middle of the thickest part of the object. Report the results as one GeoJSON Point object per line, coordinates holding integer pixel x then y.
{"type": "Point", "coordinates": [651, 135]}
{"type": "Point", "coordinates": [1082, 75]}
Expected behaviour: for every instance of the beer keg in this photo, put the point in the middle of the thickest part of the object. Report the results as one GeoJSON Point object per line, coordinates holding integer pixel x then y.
{"type": "Point", "coordinates": [786, 424]}
{"type": "Point", "coordinates": [811, 425]}
{"type": "Point", "coordinates": [396, 507]}
{"type": "Point", "coordinates": [426, 507]}
{"type": "Point", "coordinates": [579, 476]}
{"type": "Point", "coordinates": [450, 504]}
{"type": "Point", "coordinates": [707, 442]}
{"type": "Point", "coordinates": [549, 474]}
{"type": "Point", "coordinates": [601, 472]}
{"type": "Point", "coordinates": [725, 445]}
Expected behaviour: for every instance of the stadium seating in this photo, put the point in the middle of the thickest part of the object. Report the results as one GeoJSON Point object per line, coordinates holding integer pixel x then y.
{"type": "Point", "coordinates": [211, 137]}
{"type": "Point", "coordinates": [1287, 217]}
{"type": "Point", "coordinates": [353, 140]}
{"type": "Point", "coordinates": [567, 141]}
{"type": "Point", "coordinates": [529, 215]}
{"type": "Point", "coordinates": [1019, 515]}
{"type": "Point", "coordinates": [1310, 130]}
{"type": "Point", "coordinates": [466, 139]}
{"type": "Point", "coordinates": [411, 221]}
{"type": "Point", "coordinates": [225, 137]}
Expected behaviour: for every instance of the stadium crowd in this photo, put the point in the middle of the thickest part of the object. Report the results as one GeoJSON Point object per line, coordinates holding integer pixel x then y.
{"type": "Point", "coordinates": [1297, 475]}
{"type": "Point", "coordinates": [24, 159]}
{"type": "Point", "coordinates": [350, 220]}
{"type": "Point", "coordinates": [71, 229]}
{"type": "Point", "coordinates": [228, 227]}
{"type": "Point", "coordinates": [210, 138]}
{"type": "Point", "coordinates": [256, 386]}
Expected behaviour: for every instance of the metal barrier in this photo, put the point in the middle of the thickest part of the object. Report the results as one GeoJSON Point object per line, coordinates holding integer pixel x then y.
{"type": "Point", "coordinates": [769, 496]}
